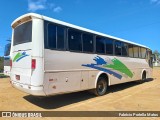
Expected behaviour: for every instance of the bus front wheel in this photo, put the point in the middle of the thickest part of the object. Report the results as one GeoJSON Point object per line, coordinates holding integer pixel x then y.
{"type": "Point", "coordinates": [144, 77]}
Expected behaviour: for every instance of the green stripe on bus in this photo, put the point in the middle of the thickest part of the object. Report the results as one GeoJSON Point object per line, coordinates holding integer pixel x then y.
{"type": "Point", "coordinates": [119, 66]}
{"type": "Point", "coordinates": [17, 56]}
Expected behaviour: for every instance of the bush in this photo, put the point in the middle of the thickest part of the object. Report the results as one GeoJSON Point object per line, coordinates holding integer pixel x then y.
{"type": "Point", "coordinates": [3, 76]}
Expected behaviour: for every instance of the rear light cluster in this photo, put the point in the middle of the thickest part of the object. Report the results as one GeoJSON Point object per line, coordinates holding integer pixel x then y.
{"type": "Point", "coordinates": [10, 63]}
{"type": "Point", "coordinates": [33, 65]}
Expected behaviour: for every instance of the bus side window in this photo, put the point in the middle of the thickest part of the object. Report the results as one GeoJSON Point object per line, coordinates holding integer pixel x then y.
{"type": "Point", "coordinates": [55, 37]}
{"type": "Point", "coordinates": [100, 46]}
{"type": "Point", "coordinates": [87, 42]}
{"type": "Point", "coordinates": [109, 46]}
{"type": "Point", "coordinates": [51, 36]}
{"type": "Point", "coordinates": [118, 48]}
{"type": "Point", "coordinates": [140, 52]}
{"type": "Point", "coordinates": [124, 49]}
{"type": "Point", "coordinates": [74, 40]}
{"type": "Point", "coordinates": [60, 37]}
{"type": "Point", "coordinates": [130, 50]}
{"type": "Point", "coordinates": [136, 51]}
{"type": "Point", "coordinates": [143, 53]}
{"type": "Point", "coordinates": [150, 59]}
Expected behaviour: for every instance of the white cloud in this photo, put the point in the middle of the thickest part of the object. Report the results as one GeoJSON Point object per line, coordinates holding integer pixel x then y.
{"type": "Point", "coordinates": [34, 5]}
{"type": "Point", "coordinates": [57, 9]}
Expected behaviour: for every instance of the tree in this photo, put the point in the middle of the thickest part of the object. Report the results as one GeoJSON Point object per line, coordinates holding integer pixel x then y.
{"type": "Point", "coordinates": [157, 54]}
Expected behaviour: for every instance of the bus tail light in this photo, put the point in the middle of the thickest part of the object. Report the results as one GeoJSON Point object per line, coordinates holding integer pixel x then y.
{"type": "Point", "coordinates": [33, 64]}
{"type": "Point", "coordinates": [10, 63]}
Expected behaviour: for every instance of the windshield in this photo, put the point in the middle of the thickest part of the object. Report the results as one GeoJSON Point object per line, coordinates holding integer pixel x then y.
{"type": "Point", "coordinates": [23, 33]}
{"type": "Point", "coordinates": [7, 49]}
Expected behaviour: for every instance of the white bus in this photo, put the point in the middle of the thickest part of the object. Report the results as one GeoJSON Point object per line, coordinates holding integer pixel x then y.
{"type": "Point", "coordinates": [7, 59]}
{"type": "Point", "coordinates": [50, 57]}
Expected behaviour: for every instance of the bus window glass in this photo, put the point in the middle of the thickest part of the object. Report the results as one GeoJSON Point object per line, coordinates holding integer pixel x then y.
{"type": "Point", "coordinates": [74, 40]}
{"type": "Point", "coordinates": [100, 48]}
{"type": "Point", "coordinates": [118, 48]}
{"type": "Point", "coordinates": [143, 52]}
{"type": "Point", "coordinates": [130, 50]}
{"type": "Point", "coordinates": [7, 49]}
{"type": "Point", "coordinates": [23, 33]}
{"type": "Point", "coordinates": [51, 36]}
{"type": "Point", "coordinates": [6, 61]}
{"type": "Point", "coordinates": [124, 49]}
{"type": "Point", "coordinates": [136, 51]}
{"type": "Point", "coordinates": [150, 59]}
{"type": "Point", "coordinates": [7, 55]}
{"type": "Point", "coordinates": [109, 46]}
{"type": "Point", "coordinates": [60, 37]}
{"type": "Point", "coordinates": [87, 42]}
{"type": "Point", "coordinates": [140, 52]}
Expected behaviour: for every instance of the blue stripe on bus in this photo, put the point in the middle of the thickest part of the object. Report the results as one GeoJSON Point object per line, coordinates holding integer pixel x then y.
{"type": "Point", "coordinates": [104, 69]}
{"type": "Point", "coordinates": [21, 58]}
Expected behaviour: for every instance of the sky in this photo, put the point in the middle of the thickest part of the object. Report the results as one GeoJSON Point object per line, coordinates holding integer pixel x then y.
{"type": "Point", "coordinates": [134, 20]}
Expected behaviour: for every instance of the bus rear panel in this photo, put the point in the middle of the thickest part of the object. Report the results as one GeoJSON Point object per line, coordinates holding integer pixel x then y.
{"type": "Point", "coordinates": [26, 55]}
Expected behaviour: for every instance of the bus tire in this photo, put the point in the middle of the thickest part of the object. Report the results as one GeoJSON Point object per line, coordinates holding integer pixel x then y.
{"type": "Point", "coordinates": [143, 77]}
{"type": "Point", "coordinates": [101, 87]}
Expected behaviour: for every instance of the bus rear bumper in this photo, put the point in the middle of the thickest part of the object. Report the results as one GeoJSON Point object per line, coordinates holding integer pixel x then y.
{"type": "Point", "coordinates": [33, 90]}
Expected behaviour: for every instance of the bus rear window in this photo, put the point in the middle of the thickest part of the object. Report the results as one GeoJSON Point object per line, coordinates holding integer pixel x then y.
{"type": "Point", "coordinates": [23, 33]}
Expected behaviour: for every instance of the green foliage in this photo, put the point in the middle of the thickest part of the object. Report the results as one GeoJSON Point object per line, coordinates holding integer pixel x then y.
{"type": "Point", "coordinates": [157, 54]}
{"type": "Point", "coordinates": [1, 64]}
{"type": "Point", "coordinates": [3, 76]}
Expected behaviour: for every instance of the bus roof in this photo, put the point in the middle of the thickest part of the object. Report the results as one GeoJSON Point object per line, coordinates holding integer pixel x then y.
{"type": "Point", "coordinates": [34, 15]}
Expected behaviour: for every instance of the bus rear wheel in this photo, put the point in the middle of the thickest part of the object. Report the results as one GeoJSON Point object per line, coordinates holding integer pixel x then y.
{"type": "Point", "coordinates": [101, 87]}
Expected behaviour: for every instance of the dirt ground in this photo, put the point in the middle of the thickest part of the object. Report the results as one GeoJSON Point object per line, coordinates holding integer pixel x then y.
{"type": "Point", "coordinates": [131, 96]}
